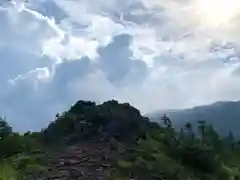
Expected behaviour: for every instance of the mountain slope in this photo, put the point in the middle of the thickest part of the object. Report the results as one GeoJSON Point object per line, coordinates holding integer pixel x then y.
{"type": "Point", "coordinates": [135, 148]}
{"type": "Point", "coordinates": [224, 116]}
{"type": "Point", "coordinates": [113, 141]}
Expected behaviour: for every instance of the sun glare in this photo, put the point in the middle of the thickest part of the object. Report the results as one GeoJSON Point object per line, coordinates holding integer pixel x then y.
{"type": "Point", "coordinates": [216, 12]}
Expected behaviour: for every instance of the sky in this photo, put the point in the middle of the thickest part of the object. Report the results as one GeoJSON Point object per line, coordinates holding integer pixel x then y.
{"type": "Point", "coordinates": [154, 54]}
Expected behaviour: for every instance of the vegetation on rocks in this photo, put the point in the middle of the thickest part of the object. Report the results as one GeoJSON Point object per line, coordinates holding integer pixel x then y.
{"type": "Point", "coordinates": [114, 141]}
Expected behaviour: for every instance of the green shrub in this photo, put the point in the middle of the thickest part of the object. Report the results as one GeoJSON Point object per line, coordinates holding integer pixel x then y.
{"type": "Point", "coordinates": [7, 172]}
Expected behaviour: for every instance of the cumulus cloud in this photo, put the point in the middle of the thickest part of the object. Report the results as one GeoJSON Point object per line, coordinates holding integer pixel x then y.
{"type": "Point", "coordinates": [152, 53]}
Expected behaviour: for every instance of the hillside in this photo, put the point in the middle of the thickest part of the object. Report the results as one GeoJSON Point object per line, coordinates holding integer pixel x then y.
{"type": "Point", "coordinates": [113, 141]}
{"type": "Point", "coordinates": [224, 116]}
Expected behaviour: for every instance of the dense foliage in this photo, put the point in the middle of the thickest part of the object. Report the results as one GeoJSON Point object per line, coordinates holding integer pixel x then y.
{"type": "Point", "coordinates": [144, 149]}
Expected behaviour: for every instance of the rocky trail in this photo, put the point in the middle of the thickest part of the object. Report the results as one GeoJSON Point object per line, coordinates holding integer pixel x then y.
{"type": "Point", "coordinates": [80, 162]}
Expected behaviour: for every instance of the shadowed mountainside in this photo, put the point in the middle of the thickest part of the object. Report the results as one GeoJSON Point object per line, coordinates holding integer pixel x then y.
{"type": "Point", "coordinates": [223, 115]}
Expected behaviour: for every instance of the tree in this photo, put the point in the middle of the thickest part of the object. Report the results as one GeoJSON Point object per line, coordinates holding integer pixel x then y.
{"type": "Point", "coordinates": [212, 137]}
{"type": "Point", "coordinates": [201, 128]}
{"type": "Point", "coordinates": [230, 140]}
{"type": "Point", "coordinates": [5, 129]}
{"type": "Point", "coordinates": [190, 133]}
{"type": "Point", "coordinates": [166, 120]}
{"type": "Point", "coordinates": [188, 127]}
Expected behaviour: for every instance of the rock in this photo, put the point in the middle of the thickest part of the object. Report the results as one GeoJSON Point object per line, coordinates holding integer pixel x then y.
{"type": "Point", "coordinates": [85, 162]}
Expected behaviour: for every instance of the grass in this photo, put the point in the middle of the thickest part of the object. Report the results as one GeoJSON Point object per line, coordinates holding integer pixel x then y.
{"type": "Point", "coordinates": [22, 167]}
{"type": "Point", "coordinates": [7, 172]}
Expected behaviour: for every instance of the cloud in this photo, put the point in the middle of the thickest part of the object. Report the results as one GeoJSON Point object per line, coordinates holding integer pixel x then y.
{"type": "Point", "coordinates": [116, 61]}
{"type": "Point", "coordinates": [152, 53]}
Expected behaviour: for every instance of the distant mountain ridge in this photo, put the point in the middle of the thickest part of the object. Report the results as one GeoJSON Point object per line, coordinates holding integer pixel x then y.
{"type": "Point", "coordinates": [223, 115]}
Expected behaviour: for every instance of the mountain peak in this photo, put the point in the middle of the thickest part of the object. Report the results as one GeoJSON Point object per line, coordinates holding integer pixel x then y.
{"type": "Point", "coordinates": [86, 120]}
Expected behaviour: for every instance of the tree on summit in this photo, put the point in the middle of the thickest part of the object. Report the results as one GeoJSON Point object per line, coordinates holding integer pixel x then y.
{"type": "Point", "coordinates": [5, 129]}
{"type": "Point", "coordinates": [166, 120]}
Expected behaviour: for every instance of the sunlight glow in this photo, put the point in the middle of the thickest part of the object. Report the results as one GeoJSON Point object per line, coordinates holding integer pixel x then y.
{"type": "Point", "coordinates": [217, 12]}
